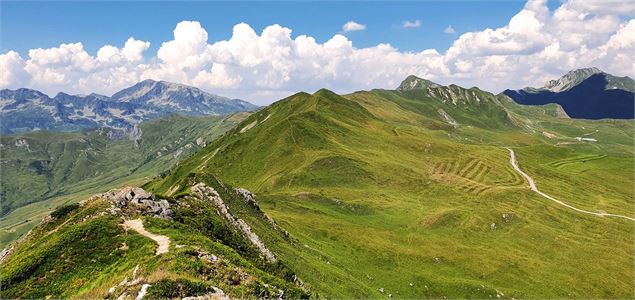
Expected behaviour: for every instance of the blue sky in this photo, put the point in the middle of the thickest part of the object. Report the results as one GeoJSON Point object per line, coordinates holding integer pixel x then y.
{"type": "Point", "coordinates": [28, 25]}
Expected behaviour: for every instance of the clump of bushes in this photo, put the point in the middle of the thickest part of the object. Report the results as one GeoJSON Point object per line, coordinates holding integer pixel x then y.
{"type": "Point", "coordinates": [170, 289]}
{"type": "Point", "coordinates": [64, 210]}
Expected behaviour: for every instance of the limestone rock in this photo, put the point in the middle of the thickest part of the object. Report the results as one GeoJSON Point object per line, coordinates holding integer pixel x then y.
{"type": "Point", "coordinates": [133, 199]}
{"type": "Point", "coordinates": [250, 198]}
{"type": "Point", "coordinates": [218, 294]}
{"type": "Point", "coordinates": [205, 192]}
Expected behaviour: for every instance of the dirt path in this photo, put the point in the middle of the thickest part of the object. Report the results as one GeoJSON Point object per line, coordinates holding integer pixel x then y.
{"type": "Point", "coordinates": [58, 227]}
{"type": "Point", "coordinates": [533, 187]}
{"type": "Point", "coordinates": [162, 240]}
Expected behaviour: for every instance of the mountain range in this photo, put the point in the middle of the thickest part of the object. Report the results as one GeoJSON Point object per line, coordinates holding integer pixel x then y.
{"type": "Point", "coordinates": [584, 93]}
{"type": "Point", "coordinates": [423, 191]}
{"type": "Point", "coordinates": [25, 110]}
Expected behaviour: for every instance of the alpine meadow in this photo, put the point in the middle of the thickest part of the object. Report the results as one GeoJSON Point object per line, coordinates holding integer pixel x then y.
{"type": "Point", "coordinates": [419, 163]}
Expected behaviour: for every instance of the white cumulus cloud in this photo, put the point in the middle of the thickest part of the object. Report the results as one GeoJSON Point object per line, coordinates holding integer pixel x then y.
{"type": "Point", "coordinates": [13, 74]}
{"type": "Point", "coordinates": [353, 26]}
{"type": "Point", "coordinates": [412, 24]}
{"type": "Point", "coordinates": [449, 30]}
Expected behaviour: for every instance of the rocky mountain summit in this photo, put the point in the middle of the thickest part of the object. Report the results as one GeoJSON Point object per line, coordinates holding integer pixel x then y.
{"type": "Point", "coordinates": [584, 93]}
{"type": "Point", "coordinates": [452, 93]}
{"type": "Point", "coordinates": [413, 82]}
{"type": "Point", "coordinates": [571, 79]}
{"type": "Point", "coordinates": [25, 110]}
{"type": "Point", "coordinates": [575, 77]}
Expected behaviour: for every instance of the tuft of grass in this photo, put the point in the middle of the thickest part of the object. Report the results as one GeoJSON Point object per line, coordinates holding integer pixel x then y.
{"type": "Point", "coordinates": [64, 210]}
{"type": "Point", "coordinates": [180, 288]}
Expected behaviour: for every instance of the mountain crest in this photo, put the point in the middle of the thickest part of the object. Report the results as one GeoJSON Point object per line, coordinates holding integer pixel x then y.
{"type": "Point", "coordinates": [584, 93]}
{"type": "Point", "coordinates": [452, 93]}
{"type": "Point", "coordinates": [571, 79]}
{"type": "Point", "coordinates": [325, 93]}
{"type": "Point", "coordinates": [413, 82]}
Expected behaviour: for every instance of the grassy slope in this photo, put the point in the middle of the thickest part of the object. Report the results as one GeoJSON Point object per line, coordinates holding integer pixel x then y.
{"type": "Point", "coordinates": [58, 168]}
{"type": "Point", "coordinates": [82, 253]}
{"type": "Point", "coordinates": [383, 193]}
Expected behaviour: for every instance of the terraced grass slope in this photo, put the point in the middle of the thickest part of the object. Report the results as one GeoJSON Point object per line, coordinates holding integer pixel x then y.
{"type": "Point", "coordinates": [410, 193]}
{"type": "Point", "coordinates": [41, 168]}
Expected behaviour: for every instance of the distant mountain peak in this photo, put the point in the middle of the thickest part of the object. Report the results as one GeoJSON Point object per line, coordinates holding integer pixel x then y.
{"type": "Point", "coordinates": [575, 77]}
{"type": "Point", "coordinates": [413, 82]}
{"type": "Point", "coordinates": [100, 96]}
{"type": "Point", "coordinates": [571, 79]}
{"type": "Point", "coordinates": [152, 82]}
{"type": "Point", "coordinates": [62, 94]}
{"type": "Point", "coordinates": [587, 93]}
{"type": "Point", "coordinates": [325, 93]}
{"type": "Point", "coordinates": [147, 81]}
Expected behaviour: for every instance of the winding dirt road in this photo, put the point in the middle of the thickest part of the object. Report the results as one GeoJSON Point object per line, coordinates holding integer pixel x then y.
{"type": "Point", "coordinates": [162, 240]}
{"type": "Point", "coordinates": [533, 187]}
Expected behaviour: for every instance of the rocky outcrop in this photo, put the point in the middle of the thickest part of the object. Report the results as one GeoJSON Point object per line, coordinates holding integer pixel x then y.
{"type": "Point", "coordinates": [218, 294]}
{"type": "Point", "coordinates": [448, 118]}
{"type": "Point", "coordinates": [130, 200]}
{"type": "Point", "coordinates": [6, 252]}
{"type": "Point", "coordinates": [250, 198]}
{"type": "Point", "coordinates": [135, 134]}
{"type": "Point", "coordinates": [205, 192]}
{"type": "Point", "coordinates": [123, 286]}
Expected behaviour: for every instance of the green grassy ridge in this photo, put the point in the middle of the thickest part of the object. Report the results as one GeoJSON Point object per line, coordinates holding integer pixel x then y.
{"type": "Point", "coordinates": [300, 122]}
{"type": "Point", "coordinates": [487, 113]}
{"type": "Point", "coordinates": [426, 190]}
{"type": "Point", "coordinates": [77, 164]}
{"type": "Point", "coordinates": [80, 253]}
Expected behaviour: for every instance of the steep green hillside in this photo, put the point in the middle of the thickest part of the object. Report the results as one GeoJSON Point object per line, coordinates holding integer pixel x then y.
{"type": "Point", "coordinates": [410, 193]}
{"type": "Point", "coordinates": [60, 167]}
{"type": "Point", "coordinates": [128, 244]}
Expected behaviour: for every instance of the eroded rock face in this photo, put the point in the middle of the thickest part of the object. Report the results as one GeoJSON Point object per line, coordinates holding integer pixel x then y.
{"type": "Point", "coordinates": [218, 294]}
{"type": "Point", "coordinates": [136, 200]}
{"type": "Point", "coordinates": [250, 199]}
{"type": "Point", "coordinates": [6, 252]}
{"type": "Point", "coordinates": [205, 192]}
